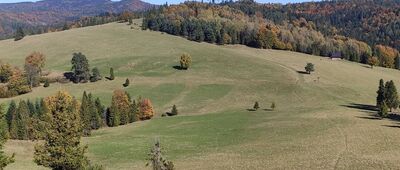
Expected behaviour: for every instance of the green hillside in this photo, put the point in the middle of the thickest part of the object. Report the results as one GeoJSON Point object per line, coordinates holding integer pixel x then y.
{"type": "Point", "coordinates": [316, 124]}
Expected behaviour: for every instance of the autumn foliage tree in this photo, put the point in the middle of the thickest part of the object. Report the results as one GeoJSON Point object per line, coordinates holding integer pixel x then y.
{"type": "Point", "coordinates": [146, 110]}
{"type": "Point", "coordinates": [119, 110]}
{"type": "Point", "coordinates": [373, 61]}
{"type": "Point", "coordinates": [386, 55]}
{"type": "Point", "coordinates": [185, 61]}
{"type": "Point", "coordinates": [62, 149]}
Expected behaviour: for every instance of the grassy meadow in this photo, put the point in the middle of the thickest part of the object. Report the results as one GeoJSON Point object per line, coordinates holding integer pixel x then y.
{"type": "Point", "coordinates": [319, 122]}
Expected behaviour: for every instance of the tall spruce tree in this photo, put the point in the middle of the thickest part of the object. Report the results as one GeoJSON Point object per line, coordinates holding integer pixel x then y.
{"type": "Point", "coordinates": [391, 95]}
{"type": "Point", "coordinates": [94, 118]}
{"type": "Point", "coordinates": [61, 149]}
{"type": "Point", "coordinates": [80, 67]}
{"type": "Point", "coordinates": [380, 98]}
{"type": "Point", "coordinates": [85, 114]}
{"type": "Point", "coordinates": [10, 116]}
{"type": "Point", "coordinates": [101, 111]}
{"type": "Point", "coordinates": [112, 77]}
{"type": "Point", "coordinates": [22, 120]}
{"type": "Point", "coordinates": [4, 159]}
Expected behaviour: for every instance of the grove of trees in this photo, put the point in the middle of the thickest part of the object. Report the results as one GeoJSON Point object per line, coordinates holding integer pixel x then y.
{"type": "Point", "coordinates": [387, 97]}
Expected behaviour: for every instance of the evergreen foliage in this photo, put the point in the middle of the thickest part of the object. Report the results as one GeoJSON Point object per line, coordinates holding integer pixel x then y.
{"type": "Point", "coordinates": [256, 106]}
{"type": "Point", "coordinates": [80, 68]}
{"type": "Point", "coordinates": [4, 159]}
{"type": "Point", "coordinates": [112, 77]}
{"type": "Point", "coordinates": [380, 98]}
{"type": "Point", "coordinates": [126, 84]}
{"type": "Point", "coordinates": [61, 148]}
{"type": "Point", "coordinates": [95, 75]}
{"type": "Point", "coordinates": [157, 160]}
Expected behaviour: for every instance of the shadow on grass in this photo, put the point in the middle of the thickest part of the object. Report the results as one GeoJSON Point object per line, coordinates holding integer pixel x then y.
{"type": "Point", "coordinates": [251, 110]}
{"type": "Point", "coordinates": [392, 126]}
{"type": "Point", "coordinates": [269, 110]}
{"type": "Point", "coordinates": [177, 67]}
{"type": "Point", "coordinates": [364, 107]}
{"type": "Point", "coordinates": [302, 72]}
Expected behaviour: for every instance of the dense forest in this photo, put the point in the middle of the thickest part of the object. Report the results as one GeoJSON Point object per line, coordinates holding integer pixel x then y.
{"type": "Point", "coordinates": [374, 22]}
{"type": "Point", "coordinates": [245, 23]}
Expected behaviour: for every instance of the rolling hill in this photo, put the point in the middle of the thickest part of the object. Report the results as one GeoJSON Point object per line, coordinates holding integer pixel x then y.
{"type": "Point", "coordinates": [321, 121]}
{"type": "Point", "coordinates": [53, 12]}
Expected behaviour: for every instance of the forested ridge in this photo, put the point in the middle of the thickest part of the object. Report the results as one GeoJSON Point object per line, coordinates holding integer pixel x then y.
{"type": "Point", "coordinates": [375, 22]}
{"type": "Point", "coordinates": [262, 26]}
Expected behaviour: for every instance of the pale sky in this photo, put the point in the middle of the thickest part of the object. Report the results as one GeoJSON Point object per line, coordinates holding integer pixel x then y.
{"type": "Point", "coordinates": [177, 1]}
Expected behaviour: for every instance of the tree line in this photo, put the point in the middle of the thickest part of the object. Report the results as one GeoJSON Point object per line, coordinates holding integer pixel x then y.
{"type": "Point", "coordinates": [223, 24]}
{"type": "Point", "coordinates": [26, 119]}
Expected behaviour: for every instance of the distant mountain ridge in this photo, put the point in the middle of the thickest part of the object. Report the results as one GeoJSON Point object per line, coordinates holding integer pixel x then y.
{"type": "Point", "coordinates": [48, 12]}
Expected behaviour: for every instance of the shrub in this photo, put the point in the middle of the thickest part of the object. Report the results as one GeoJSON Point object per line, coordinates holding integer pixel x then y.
{"type": "Point", "coordinates": [46, 84]}
{"type": "Point", "coordinates": [111, 74]}
{"type": "Point", "coordinates": [273, 106]}
{"type": "Point", "coordinates": [174, 111]}
{"type": "Point", "coordinates": [186, 61]}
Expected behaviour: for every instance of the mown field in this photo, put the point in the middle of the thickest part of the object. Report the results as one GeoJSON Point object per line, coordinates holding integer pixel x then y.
{"type": "Point", "coordinates": [319, 123]}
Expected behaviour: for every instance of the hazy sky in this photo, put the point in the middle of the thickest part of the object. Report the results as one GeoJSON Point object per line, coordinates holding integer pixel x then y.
{"type": "Point", "coordinates": [175, 1]}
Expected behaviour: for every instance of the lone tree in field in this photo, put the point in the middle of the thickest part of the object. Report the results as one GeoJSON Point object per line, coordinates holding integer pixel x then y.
{"type": "Point", "coordinates": [80, 67]}
{"type": "Point", "coordinates": [34, 64]}
{"type": "Point", "coordinates": [157, 160]}
{"type": "Point", "coordinates": [111, 74]}
{"type": "Point", "coordinates": [186, 61]}
{"type": "Point", "coordinates": [309, 68]}
{"type": "Point", "coordinates": [373, 61]}
{"type": "Point", "coordinates": [95, 75]}
{"type": "Point", "coordinates": [174, 111]}
{"type": "Point", "coordinates": [19, 34]}
{"type": "Point", "coordinates": [256, 106]}
{"type": "Point", "coordinates": [380, 98]}
{"type": "Point", "coordinates": [391, 96]}
{"type": "Point", "coordinates": [61, 149]}
{"type": "Point", "coordinates": [4, 160]}
{"type": "Point", "coordinates": [126, 84]}
{"type": "Point", "coordinates": [273, 106]}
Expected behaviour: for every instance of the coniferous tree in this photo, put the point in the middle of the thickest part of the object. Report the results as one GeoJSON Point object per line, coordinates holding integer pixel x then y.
{"type": "Point", "coordinates": [383, 110]}
{"type": "Point", "coordinates": [95, 75]}
{"type": "Point", "coordinates": [120, 107]}
{"type": "Point", "coordinates": [22, 120]}
{"type": "Point", "coordinates": [256, 106]}
{"type": "Point", "coordinates": [85, 114]}
{"type": "Point", "coordinates": [391, 95]}
{"type": "Point", "coordinates": [126, 84]}
{"type": "Point", "coordinates": [4, 160]}
{"type": "Point", "coordinates": [101, 111]}
{"type": "Point", "coordinates": [112, 77]}
{"type": "Point", "coordinates": [19, 35]}
{"type": "Point", "coordinates": [94, 119]}
{"type": "Point", "coordinates": [80, 68]}
{"type": "Point", "coordinates": [174, 110]}
{"type": "Point", "coordinates": [61, 148]}
{"type": "Point", "coordinates": [133, 112]}
{"type": "Point", "coordinates": [157, 160]}
{"type": "Point", "coordinates": [273, 106]}
{"type": "Point", "coordinates": [10, 118]}
{"type": "Point", "coordinates": [380, 98]}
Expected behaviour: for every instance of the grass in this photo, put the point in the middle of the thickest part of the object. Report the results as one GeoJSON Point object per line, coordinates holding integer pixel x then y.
{"type": "Point", "coordinates": [315, 124]}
